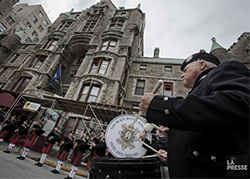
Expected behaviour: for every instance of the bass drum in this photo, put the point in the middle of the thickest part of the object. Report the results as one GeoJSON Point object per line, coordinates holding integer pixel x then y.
{"type": "Point", "coordinates": [122, 137]}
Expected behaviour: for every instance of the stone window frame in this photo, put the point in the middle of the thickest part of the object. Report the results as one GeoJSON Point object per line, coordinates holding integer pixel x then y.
{"type": "Point", "coordinates": [168, 69]}
{"type": "Point", "coordinates": [34, 19]}
{"type": "Point", "coordinates": [91, 23]}
{"type": "Point", "coordinates": [117, 23]}
{"type": "Point", "coordinates": [21, 84]}
{"type": "Point", "coordinates": [28, 39]}
{"type": "Point", "coordinates": [2, 71]}
{"type": "Point", "coordinates": [65, 25]}
{"type": "Point", "coordinates": [10, 20]}
{"type": "Point", "coordinates": [34, 34]}
{"type": "Point", "coordinates": [2, 27]}
{"type": "Point", "coordinates": [98, 10]}
{"type": "Point", "coordinates": [143, 67]}
{"type": "Point", "coordinates": [40, 14]}
{"type": "Point", "coordinates": [28, 25]}
{"type": "Point", "coordinates": [140, 87]}
{"type": "Point", "coordinates": [50, 44]}
{"type": "Point", "coordinates": [100, 65]}
{"type": "Point", "coordinates": [168, 89]}
{"type": "Point", "coordinates": [87, 91]}
{"type": "Point", "coordinates": [14, 57]}
{"type": "Point", "coordinates": [37, 62]}
{"type": "Point", "coordinates": [40, 28]}
{"type": "Point", "coordinates": [109, 45]}
{"type": "Point", "coordinates": [45, 22]}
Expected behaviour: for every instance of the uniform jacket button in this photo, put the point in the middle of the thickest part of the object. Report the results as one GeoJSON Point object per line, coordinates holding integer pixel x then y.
{"type": "Point", "coordinates": [166, 111]}
{"type": "Point", "coordinates": [213, 158]}
{"type": "Point", "coordinates": [195, 153]}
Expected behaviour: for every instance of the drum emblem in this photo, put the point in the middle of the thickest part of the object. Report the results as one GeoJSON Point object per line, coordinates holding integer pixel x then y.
{"type": "Point", "coordinates": [127, 137]}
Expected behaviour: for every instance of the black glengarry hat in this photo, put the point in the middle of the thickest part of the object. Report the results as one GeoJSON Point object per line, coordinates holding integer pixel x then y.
{"type": "Point", "coordinates": [200, 56]}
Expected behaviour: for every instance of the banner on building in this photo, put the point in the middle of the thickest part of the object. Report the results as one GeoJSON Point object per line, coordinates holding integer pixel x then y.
{"type": "Point", "coordinates": [51, 116]}
{"type": "Point", "coordinates": [29, 106]}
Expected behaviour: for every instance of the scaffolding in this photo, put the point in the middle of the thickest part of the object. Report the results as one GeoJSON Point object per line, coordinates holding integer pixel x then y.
{"type": "Point", "coordinates": [102, 113]}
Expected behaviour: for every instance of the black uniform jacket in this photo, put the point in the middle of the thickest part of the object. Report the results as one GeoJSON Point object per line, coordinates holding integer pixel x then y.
{"type": "Point", "coordinates": [55, 135]}
{"type": "Point", "coordinates": [68, 144]}
{"type": "Point", "coordinates": [209, 125]}
{"type": "Point", "coordinates": [160, 143]}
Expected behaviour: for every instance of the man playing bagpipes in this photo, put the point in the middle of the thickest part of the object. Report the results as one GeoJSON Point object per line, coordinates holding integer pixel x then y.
{"type": "Point", "coordinates": [21, 131]}
{"type": "Point", "coordinates": [8, 127]}
{"type": "Point", "coordinates": [63, 153]}
{"type": "Point", "coordinates": [51, 139]}
{"type": "Point", "coordinates": [34, 132]}
{"type": "Point", "coordinates": [79, 148]}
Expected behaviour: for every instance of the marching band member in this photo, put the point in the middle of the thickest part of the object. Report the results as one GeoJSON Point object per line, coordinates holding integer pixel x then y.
{"type": "Point", "coordinates": [51, 139]}
{"type": "Point", "coordinates": [21, 131]}
{"type": "Point", "coordinates": [79, 148]}
{"type": "Point", "coordinates": [34, 132]}
{"type": "Point", "coordinates": [63, 153]}
{"type": "Point", "coordinates": [8, 127]}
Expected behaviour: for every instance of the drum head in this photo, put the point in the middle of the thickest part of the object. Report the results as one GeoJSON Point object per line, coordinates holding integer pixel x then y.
{"type": "Point", "coordinates": [122, 137]}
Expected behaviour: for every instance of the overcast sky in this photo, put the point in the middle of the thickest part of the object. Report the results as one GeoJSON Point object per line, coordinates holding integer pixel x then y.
{"type": "Point", "coordinates": [178, 27]}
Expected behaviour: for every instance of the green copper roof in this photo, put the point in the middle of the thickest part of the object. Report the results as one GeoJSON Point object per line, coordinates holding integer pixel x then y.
{"type": "Point", "coordinates": [202, 51]}
{"type": "Point", "coordinates": [215, 45]}
{"type": "Point", "coordinates": [20, 34]}
{"type": "Point", "coordinates": [68, 14]}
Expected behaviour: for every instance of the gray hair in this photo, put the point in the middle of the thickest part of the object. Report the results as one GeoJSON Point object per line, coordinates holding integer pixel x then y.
{"type": "Point", "coordinates": [208, 64]}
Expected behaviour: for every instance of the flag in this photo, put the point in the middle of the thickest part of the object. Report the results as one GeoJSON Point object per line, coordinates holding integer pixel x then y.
{"type": "Point", "coordinates": [56, 76]}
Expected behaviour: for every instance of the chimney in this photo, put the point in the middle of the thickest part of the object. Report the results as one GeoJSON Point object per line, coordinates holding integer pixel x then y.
{"type": "Point", "coordinates": [156, 52]}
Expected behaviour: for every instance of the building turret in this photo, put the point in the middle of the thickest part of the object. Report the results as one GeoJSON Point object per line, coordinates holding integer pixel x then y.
{"type": "Point", "coordinates": [219, 51]}
{"type": "Point", "coordinates": [8, 44]}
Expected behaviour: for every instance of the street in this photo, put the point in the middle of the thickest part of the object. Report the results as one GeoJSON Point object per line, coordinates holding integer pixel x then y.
{"type": "Point", "coordinates": [11, 167]}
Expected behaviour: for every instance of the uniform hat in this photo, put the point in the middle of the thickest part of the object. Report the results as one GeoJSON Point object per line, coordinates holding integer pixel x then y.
{"type": "Point", "coordinates": [200, 56]}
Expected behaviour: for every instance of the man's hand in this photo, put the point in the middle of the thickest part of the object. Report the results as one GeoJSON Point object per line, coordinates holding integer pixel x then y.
{"type": "Point", "coordinates": [162, 154]}
{"type": "Point", "coordinates": [143, 135]}
{"type": "Point", "coordinates": [145, 101]}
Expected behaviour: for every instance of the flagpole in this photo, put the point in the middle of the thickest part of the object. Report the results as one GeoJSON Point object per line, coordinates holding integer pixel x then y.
{"type": "Point", "coordinates": [61, 79]}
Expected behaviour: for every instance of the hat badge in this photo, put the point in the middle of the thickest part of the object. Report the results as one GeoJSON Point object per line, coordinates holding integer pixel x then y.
{"type": "Point", "coordinates": [189, 58]}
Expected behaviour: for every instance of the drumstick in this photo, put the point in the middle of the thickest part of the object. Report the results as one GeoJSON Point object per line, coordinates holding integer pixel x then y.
{"type": "Point", "coordinates": [148, 146]}
{"type": "Point", "coordinates": [156, 88]}
{"type": "Point", "coordinates": [149, 156]}
{"type": "Point", "coordinates": [148, 127]}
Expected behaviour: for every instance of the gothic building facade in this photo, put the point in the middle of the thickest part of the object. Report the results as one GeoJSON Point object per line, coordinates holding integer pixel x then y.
{"type": "Point", "coordinates": [97, 55]}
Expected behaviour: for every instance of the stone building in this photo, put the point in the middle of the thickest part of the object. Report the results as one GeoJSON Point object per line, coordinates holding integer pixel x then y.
{"type": "Point", "coordinates": [98, 54]}
{"type": "Point", "coordinates": [6, 5]}
{"type": "Point", "coordinates": [32, 21]}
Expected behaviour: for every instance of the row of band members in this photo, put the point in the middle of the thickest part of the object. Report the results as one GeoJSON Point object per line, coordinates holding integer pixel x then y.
{"type": "Point", "coordinates": [26, 134]}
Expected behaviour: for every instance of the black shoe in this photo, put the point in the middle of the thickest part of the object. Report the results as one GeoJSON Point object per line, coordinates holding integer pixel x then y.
{"type": "Point", "coordinates": [21, 158]}
{"type": "Point", "coordinates": [68, 177]}
{"type": "Point", "coordinates": [39, 164]}
{"type": "Point", "coordinates": [55, 171]}
{"type": "Point", "coordinates": [6, 151]}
